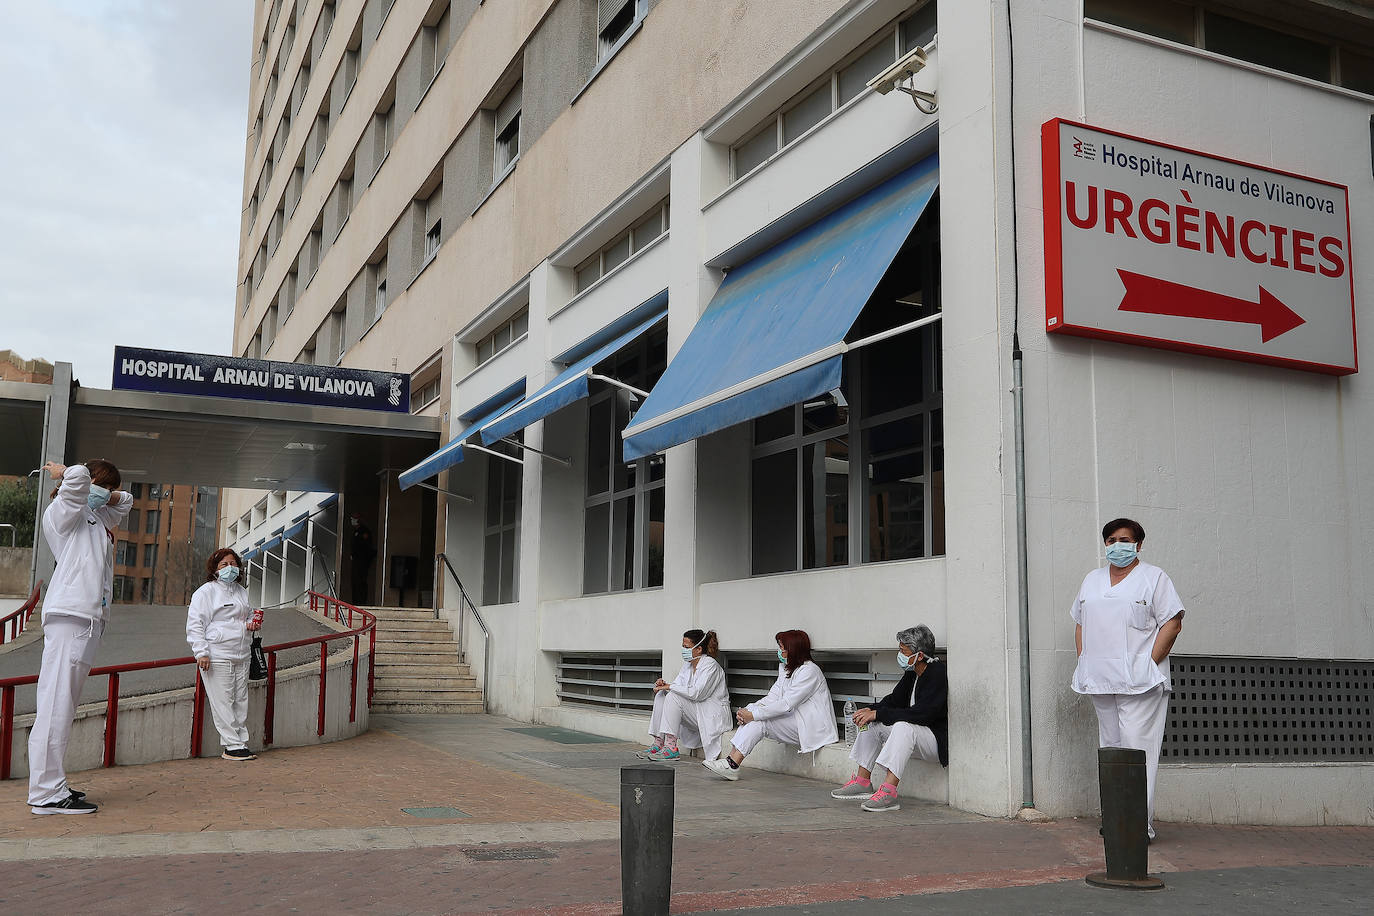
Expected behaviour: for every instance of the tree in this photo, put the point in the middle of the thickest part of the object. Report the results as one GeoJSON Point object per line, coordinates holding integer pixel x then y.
{"type": "Point", "coordinates": [18, 504]}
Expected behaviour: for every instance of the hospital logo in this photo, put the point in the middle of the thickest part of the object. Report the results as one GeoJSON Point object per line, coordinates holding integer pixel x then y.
{"type": "Point", "coordinates": [1082, 150]}
{"type": "Point", "coordinates": [395, 397]}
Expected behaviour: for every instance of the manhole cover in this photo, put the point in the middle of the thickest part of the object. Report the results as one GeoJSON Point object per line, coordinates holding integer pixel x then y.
{"type": "Point", "coordinates": [563, 735]}
{"type": "Point", "coordinates": [439, 812]}
{"type": "Point", "coordinates": [508, 853]}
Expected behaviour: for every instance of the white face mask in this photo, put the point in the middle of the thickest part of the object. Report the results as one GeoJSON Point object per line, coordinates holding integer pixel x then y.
{"type": "Point", "coordinates": [228, 574]}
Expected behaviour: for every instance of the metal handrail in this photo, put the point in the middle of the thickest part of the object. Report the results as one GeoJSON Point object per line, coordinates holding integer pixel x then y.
{"type": "Point", "coordinates": [18, 619]}
{"type": "Point", "coordinates": [477, 615]}
{"type": "Point", "coordinates": [14, 533]}
{"type": "Point", "coordinates": [318, 602]}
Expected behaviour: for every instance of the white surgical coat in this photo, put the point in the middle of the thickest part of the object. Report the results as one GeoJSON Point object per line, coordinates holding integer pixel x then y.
{"type": "Point", "coordinates": [217, 622]}
{"type": "Point", "coordinates": [1120, 624]}
{"type": "Point", "coordinates": [805, 697]}
{"type": "Point", "coordinates": [82, 584]}
{"type": "Point", "coordinates": [705, 703]}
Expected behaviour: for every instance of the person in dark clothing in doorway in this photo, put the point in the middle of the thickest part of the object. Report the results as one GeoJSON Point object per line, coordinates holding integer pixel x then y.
{"type": "Point", "coordinates": [910, 722]}
{"type": "Point", "coordinates": [361, 552]}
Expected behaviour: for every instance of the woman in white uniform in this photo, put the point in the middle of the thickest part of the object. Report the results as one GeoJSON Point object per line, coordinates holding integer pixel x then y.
{"type": "Point", "coordinates": [78, 526]}
{"type": "Point", "coordinates": [694, 710]}
{"type": "Point", "coordinates": [1126, 618]}
{"type": "Point", "coordinates": [798, 710]}
{"type": "Point", "coordinates": [218, 624]}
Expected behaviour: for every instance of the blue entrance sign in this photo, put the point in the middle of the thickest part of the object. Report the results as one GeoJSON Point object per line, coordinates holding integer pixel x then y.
{"type": "Point", "coordinates": [170, 372]}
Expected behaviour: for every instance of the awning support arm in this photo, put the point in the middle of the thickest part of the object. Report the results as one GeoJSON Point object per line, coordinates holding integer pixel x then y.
{"type": "Point", "coordinates": [429, 486]}
{"type": "Point", "coordinates": [619, 384]}
{"type": "Point", "coordinates": [567, 463]}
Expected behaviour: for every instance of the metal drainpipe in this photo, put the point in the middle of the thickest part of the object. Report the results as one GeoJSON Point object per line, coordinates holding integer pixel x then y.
{"type": "Point", "coordinates": [1022, 575]}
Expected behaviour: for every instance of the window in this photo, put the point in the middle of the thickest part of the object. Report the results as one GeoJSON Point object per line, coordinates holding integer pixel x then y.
{"type": "Point", "coordinates": [613, 21]}
{"type": "Point", "coordinates": [126, 553]}
{"type": "Point", "coordinates": [434, 208]}
{"type": "Point", "coordinates": [314, 248]}
{"type": "Point", "coordinates": [624, 508]}
{"type": "Point", "coordinates": [501, 533]}
{"type": "Point", "coordinates": [381, 131]}
{"type": "Point", "coordinates": [436, 44]}
{"type": "Point", "coordinates": [150, 555]}
{"type": "Point", "coordinates": [832, 91]}
{"type": "Point", "coordinates": [1289, 44]}
{"type": "Point", "coordinates": [505, 334]}
{"type": "Point", "coordinates": [131, 522]}
{"type": "Point", "coordinates": [859, 478]}
{"type": "Point", "coordinates": [123, 588]}
{"type": "Point", "coordinates": [350, 69]}
{"type": "Point", "coordinates": [624, 245]}
{"type": "Point", "coordinates": [425, 395]}
{"type": "Point", "coordinates": [136, 490]}
{"type": "Point", "coordinates": [336, 334]}
{"type": "Point", "coordinates": [345, 197]}
{"type": "Point", "coordinates": [153, 517]}
{"type": "Point", "coordinates": [145, 590]}
{"type": "Point", "coordinates": [379, 284]}
{"type": "Point", "coordinates": [508, 130]}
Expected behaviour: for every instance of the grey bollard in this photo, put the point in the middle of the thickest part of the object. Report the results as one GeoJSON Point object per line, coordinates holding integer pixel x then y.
{"type": "Point", "coordinates": [646, 839]}
{"type": "Point", "coordinates": [1125, 817]}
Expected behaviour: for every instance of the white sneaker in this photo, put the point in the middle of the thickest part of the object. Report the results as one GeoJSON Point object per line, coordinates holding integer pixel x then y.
{"type": "Point", "coordinates": [722, 769]}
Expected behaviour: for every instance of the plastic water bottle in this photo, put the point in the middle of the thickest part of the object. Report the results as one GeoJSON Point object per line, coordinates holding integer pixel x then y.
{"type": "Point", "coordinates": [848, 721]}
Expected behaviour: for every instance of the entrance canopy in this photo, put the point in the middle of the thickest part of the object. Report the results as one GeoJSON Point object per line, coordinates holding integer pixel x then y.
{"type": "Point", "coordinates": [22, 409]}
{"type": "Point", "coordinates": [775, 332]}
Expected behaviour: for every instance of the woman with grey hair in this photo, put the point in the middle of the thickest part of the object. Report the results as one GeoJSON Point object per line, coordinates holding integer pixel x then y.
{"type": "Point", "coordinates": [911, 721]}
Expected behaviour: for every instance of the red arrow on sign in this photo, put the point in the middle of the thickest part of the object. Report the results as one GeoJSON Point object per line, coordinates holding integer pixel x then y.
{"type": "Point", "coordinates": [1153, 296]}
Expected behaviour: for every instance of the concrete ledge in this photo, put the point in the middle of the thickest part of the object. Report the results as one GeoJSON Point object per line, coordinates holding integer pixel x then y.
{"type": "Point", "coordinates": [1292, 794]}
{"type": "Point", "coordinates": [157, 726]}
{"type": "Point", "coordinates": [922, 780]}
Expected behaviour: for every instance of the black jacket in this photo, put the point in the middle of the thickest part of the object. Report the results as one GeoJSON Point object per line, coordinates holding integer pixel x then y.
{"type": "Point", "coordinates": [930, 708]}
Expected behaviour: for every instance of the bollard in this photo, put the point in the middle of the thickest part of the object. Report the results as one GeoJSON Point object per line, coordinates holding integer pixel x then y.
{"type": "Point", "coordinates": [1125, 814]}
{"type": "Point", "coordinates": [646, 839]}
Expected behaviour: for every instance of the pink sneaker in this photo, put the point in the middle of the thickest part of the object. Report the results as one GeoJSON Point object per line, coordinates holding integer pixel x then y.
{"type": "Point", "coordinates": [885, 799]}
{"type": "Point", "coordinates": [855, 788]}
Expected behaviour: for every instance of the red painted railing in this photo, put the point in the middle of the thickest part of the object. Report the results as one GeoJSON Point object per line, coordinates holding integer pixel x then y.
{"type": "Point", "coordinates": [332, 608]}
{"type": "Point", "coordinates": [14, 623]}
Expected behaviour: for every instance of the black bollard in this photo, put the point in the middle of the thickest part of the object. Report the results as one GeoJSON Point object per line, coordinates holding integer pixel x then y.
{"type": "Point", "coordinates": [646, 839]}
{"type": "Point", "coordinates": [1125, 818]}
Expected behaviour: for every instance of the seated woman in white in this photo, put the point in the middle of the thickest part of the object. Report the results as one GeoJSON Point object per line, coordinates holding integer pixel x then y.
{"type": "Point", "coordinates": [798, 710]}
{"type": "Point", "coordinates": [694, 710]}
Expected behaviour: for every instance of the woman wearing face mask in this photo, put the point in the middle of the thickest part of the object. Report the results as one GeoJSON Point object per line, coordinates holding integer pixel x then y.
{"type": "Point", "coordinates": [217, 627]}
{"type": "Point", "coordinates": [78, 524]}
{"type": "Point", "coordinates": [1126, 618]}
{"type": "Point", "coordinates": [910, 722]}
{"type": "Point", "coordinates": [798, 710]}
{"type": "Point", "coordinates": [694, 710]}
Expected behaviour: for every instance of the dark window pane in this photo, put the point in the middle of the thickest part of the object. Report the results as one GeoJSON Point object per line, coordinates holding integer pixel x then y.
{"type": "Point", "coordinates": [494, 472]}
{"type": "Point", "coordinates": [1162, 18]}
{"type": "Point", "coordinates": [623, 474]}
{"type": "Point", "coordinates": [1266, 47]}
{"type": "Point", "coordinates": [623, 544]}
{"type": "Point", "coordinates": [600, 417]}
{"type": "Point", "coordinates": [919, 29]}
{"type": "Point", "coordinates": [653, 536]}
{"type": "Point", "coordinates": [491, 569]}
{"type": "Point", "coordinates": [895, 488]}
{"type": "Point", "coordinates": [774, 513]}
{"type": "Point", "coordinates": [825, 502]}
{"type": "Point", "coordinates": [825, 413]}
{"type": "Point", "coordinates": [510, 492]}
{"type": "Point", "coordinates": [753, 153]}
{"type": "Point", "coordinates": [775, 425]}
{"type": "Point", "coordinates": [807, 113]}
{"type": "Point", "coordinates": [854, 78]}
{"type": "Point", "coordinates": [657, 467]}
{"type": "Point", "coordinates": [596, 549]}
{"type": "Point", "coordinates": [508, 565]}
{"type": "Point", "coordinates": [1357, 72]}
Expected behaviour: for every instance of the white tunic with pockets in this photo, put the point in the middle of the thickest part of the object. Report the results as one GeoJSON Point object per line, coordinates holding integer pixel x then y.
{"type": "Point", "coordinates": [1120, 624]}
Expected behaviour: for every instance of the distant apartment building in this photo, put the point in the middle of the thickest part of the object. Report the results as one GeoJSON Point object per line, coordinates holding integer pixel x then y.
{"type": "Point", "coordinates": [160, 552]}
{"type": "Point", "coordinates": [15, 368]}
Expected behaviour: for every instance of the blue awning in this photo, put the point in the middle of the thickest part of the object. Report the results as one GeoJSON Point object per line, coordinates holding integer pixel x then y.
{"type": "Point", "coordinates": [569, 386]}
{"type": "Point", "coordinates": [276, 541]}
{"type": "Point", "coordinates": [293, 531]}
{"type": "Point", "coordinates": [452, 452]}
{"type": "Point", "coordinates": [329, 500]}
{"type": "Point", "coordinates": [774, 333]}
{"type": "Point", "coordinates": [250, 554]}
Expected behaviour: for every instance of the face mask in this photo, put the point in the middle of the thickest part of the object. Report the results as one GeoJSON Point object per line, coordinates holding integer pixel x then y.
{"type": "Point", "coordinates": [97, 497]}
{"type": "Point", "coordinates": [686, 655]}
{"type": "Point", "coordinates": [782, 659]}
{"type": "Point", "coordinates": [906, 661]}
{"type": "Point", "coordinates": [1121, 554]}
{"type": "Point", "coordinates": [228, 574]}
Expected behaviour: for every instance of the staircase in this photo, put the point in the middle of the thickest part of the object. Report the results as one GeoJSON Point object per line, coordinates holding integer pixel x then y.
{"type": "Point", "coordinates": [418, 667]}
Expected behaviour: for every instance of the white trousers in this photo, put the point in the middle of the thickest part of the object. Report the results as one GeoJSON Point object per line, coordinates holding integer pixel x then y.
{"type": "Point", "coordinates": [782, 728]}
{"type": "Point", "coordinates": [69, 647]}
{"type": "Point", "coordinates": [226, 687]}
{"type": "Point", "coordinates": [1135, 721]}
{"type": "Point", "coordinates": [678, 717]}
{"type": "Point", "coordinates": [891, 746]}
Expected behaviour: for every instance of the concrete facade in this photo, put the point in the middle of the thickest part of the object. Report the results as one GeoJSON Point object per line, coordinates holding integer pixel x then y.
{"type": "Point", "coordinates": [1247, 478]}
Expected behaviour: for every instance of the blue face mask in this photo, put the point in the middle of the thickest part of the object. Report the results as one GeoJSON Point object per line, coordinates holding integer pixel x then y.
{"type": "Point", "coordinates": [228, 574]}
{"type": "Point", "coordinates": [686, 655]}
{"type": "Point", "coordinates": [1121, 554]}
{"type": "Point", "coordinates": [97, 497]}
{"type": "Point", "coordinates": [906, 661]}
{"type": "Point", "coordinates": [782, 659]}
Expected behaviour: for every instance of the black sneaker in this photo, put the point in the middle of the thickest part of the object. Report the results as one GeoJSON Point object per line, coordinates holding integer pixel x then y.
{"type": "Point", "coordinates": [75, 794]}
{"type": "Point", "coordinates": [239, 753]}
{"type": "Point", "coordinates": [69, 805]}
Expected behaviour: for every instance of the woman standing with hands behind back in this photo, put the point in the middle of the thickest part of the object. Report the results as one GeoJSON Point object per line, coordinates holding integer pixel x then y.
{"type": "Point", "coordinates": [217, 627]}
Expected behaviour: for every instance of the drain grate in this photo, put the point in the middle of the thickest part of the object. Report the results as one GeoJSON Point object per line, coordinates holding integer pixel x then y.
{"type": "Point", "coordinates": [435, 812]}
{"type": "Point", "coordinates": [563, 735]}
{"type": "Point", "coordinates": [509, 853]}
{"type": "Point", "coordinates": [1270, 709]}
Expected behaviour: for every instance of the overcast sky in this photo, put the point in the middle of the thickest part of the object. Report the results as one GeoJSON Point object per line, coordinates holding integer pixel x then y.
{"type": "Point", "coordinates": [121, 176]}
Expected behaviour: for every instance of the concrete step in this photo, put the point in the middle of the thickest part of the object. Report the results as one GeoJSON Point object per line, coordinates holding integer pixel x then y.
{"type": "Point", "coordinates": [465, 707]}
{"type": "Point", "coordinates": [401, 613]}
{"type": "Point", "coordinates": [391, 681]}
{"type": "Point", "coordinates": [413, 626]}
{"type": "Point", "coordinates": [424, 654]}
{"type": "Point", "coordinates": [404, 668]}
{"type": "Point", "coordinates": [440, 635]}
{"type": "Point", "coordinates": [428, 695]}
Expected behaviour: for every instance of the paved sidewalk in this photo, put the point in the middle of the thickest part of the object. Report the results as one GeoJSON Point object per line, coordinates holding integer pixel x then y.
{"type": "Point", "coordinates": [504, 820]}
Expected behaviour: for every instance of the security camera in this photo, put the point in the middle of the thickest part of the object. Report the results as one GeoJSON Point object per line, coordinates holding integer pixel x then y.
{"type": "Point", "coordinates": [906, 67]}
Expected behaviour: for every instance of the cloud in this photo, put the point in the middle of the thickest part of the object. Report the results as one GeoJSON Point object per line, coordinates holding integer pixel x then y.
{"type": "Point", "coordinates": [123, 177]}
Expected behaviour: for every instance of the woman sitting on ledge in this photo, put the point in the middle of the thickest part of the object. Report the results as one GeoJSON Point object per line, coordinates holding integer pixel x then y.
{"type": "Point", "coordinates": [694, 710]}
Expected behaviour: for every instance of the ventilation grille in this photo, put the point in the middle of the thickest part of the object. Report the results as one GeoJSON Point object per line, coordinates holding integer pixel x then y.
{"type": "Point", "coordinates": [1269, 709]}
{"type": "Point", "coordinates": [624, 682]}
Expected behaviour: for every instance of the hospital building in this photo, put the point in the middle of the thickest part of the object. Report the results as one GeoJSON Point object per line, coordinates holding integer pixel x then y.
{"type": "Point", "coordinates": [840, 315]}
